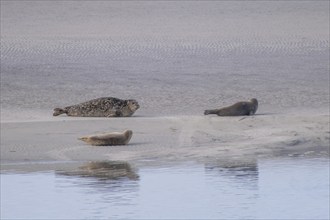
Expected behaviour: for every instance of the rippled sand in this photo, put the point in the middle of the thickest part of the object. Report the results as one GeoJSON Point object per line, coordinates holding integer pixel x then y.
{"type": "Point", "coordinates": [176, 58]}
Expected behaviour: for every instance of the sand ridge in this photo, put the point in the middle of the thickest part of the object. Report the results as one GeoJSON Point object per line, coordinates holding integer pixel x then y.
{"type": "Point", "coordinates": [169, 139]}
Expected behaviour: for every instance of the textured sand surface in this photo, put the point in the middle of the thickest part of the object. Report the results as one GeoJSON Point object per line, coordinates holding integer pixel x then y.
{"type": "Point", "coordinates": [168, 139]}
{"type": "Point", "coordinates": [177, 59]}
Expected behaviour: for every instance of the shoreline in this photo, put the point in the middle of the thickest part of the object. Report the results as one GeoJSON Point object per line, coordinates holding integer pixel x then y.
{"type": "Point", "coordinates": [165, 140]}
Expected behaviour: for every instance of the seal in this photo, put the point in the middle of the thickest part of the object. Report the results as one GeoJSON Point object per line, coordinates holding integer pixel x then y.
{"type": "Point", "coordinates": [101, 107]}
{"type": "Point", "coordinates": [237, 109]}
{"type": "Point", "coordinates": [108, 139]}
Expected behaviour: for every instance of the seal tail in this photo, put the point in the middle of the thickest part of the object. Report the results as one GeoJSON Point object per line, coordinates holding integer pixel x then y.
{"type": "Point", "coordinates": [207, 112]}
{"type": "Point", "coordinates": [58, 111]}
{"type": "Point", "coordinates": [83, 138]}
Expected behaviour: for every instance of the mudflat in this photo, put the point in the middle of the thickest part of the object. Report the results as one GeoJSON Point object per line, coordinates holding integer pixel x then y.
{"type": "Point", "coordinates": [176, 59]}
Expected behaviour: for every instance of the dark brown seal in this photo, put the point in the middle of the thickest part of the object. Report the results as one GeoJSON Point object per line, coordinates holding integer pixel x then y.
{"type": "Point", "coordinates": [237, 109]}
{"type": "Point", "coordinates": [101, 107]}
{"type": "Point", "coordinates": [108, 139]}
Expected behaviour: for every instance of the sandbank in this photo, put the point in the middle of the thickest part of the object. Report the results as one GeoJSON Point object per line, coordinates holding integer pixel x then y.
{"type": "Point", "coordinates": [43, 145]}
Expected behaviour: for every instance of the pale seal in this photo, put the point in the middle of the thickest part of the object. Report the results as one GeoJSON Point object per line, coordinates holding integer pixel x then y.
{"type": "Point", "coordinates": [108, 139]}
{"type": "Point", "coordinates": [237, 109]}
{"type": "Point", "coordinates": [101, 107]}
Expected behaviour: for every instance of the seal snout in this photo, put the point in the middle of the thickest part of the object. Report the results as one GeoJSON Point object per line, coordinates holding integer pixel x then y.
{"type": "Point", "coordinates": [136, 104]}
{"type": "Point", "coordinates": [133, 104]}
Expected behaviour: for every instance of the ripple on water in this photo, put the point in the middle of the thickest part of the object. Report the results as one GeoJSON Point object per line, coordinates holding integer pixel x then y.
{"type": "Point", "coordinates": [273, 188]}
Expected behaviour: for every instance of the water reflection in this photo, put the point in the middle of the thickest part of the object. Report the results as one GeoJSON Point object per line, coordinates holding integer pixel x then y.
{"type": "Point", "coordinates": [235, 168]}
{"type": "Point", "coordinates": [109, 187]}
{"type": "Point", "coordinates": [226, 189]}
{"type": "Point", "coordinates": [236, 171]}
{"type": "Point", "coordinates": [103, 170]}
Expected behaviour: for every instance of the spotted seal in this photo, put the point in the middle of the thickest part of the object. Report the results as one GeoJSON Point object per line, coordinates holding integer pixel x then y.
{"type": "Point", "coordinates": [237, 109]}
{"type": "Point", "coordinates": [101, 107]}
{"type": "Point", "coordinates": [108, 139]}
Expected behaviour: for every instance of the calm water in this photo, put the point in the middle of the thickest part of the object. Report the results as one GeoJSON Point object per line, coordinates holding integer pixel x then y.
{"type": "Point", "coordinates": [290, 188]}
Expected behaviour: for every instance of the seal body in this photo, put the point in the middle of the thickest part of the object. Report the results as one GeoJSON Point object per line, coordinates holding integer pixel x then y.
{"type": "Point", "coordinates": [109, 139]}
{"type": "Point", "coordinates": [101, 107]}
{"type": "Point", "coordinates": [237, 109]}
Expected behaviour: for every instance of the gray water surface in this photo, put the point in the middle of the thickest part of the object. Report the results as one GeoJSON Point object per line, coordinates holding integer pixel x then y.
{"type": "Point", "coordinates": [292, 188]}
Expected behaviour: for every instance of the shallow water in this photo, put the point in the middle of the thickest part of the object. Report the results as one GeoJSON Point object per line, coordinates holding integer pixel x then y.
{"type": "Point", "coordinates": [268, 189]}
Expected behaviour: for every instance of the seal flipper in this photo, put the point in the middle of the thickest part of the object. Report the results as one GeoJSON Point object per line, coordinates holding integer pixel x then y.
{"type": "Point", "coordinates": [118, 113]}
{"type": "Point", "coordinates": [213, 111]}
{"type": "Point", "coordinates": [59, 111]}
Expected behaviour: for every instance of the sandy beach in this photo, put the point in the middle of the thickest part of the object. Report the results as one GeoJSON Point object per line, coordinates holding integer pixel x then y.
{"type": "Point", "coordinates": [161, 140]}
{"type": "Point", "coordinates": [176, 59]}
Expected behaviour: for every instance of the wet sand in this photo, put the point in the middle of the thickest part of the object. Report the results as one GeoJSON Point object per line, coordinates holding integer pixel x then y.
{"type": "Point", "coordinates": [160, 140]}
